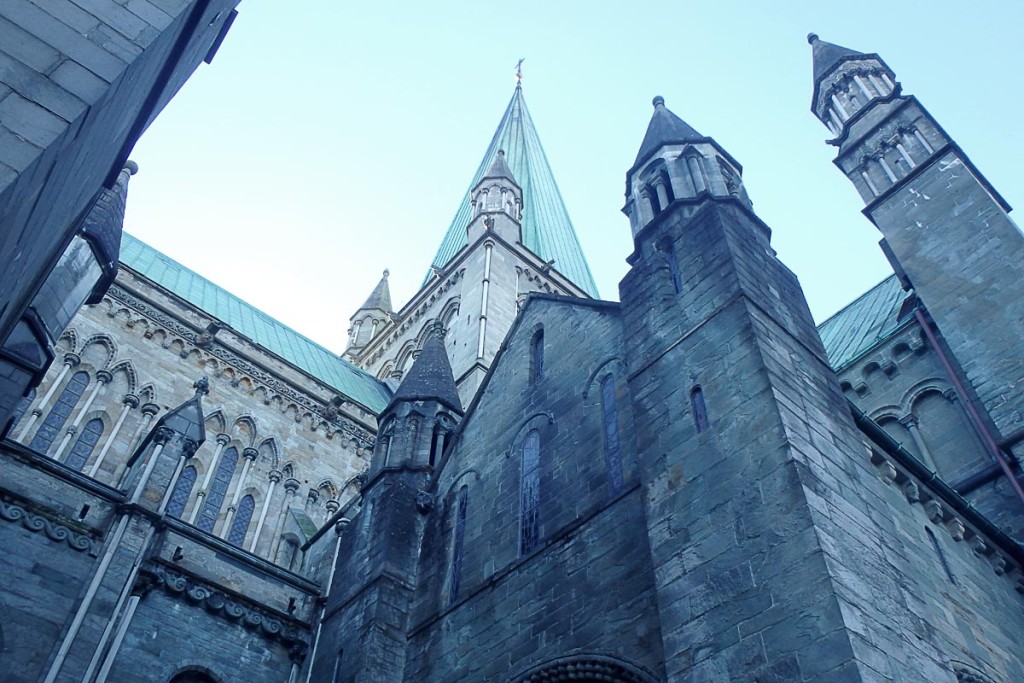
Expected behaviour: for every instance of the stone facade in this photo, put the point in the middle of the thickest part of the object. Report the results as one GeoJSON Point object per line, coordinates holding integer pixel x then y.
{"type": "Point", "coordinates": [710, 488]}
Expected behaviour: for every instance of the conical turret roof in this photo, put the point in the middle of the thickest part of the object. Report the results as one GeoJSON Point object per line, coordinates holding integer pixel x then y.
{"type": "Point", "coordinates": [546, 228]}
{"type": "Point", "coordinates": [380, 297]}
{"type": "Point", "coordinates": [103, 226]}
{"type": "Point", "coordinates": [430, 378]}
{"type": "Point", "coordinates": [826, 56]}
{"type": "Point", "coordinates": [665, 128]}
{"type": "Point", "coordinates": [500, 169]}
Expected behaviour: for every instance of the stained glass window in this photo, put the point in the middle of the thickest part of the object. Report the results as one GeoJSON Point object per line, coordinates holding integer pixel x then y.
{"type": "Point", "coordinates": [529, 527]}
{"type": "Point", "coordinates": [85, 444]}
{"type": "Point", "coordinates": [182, 491]}
{"type": "Point", "coordinates": [458, 537]}
{"type": "Point", "coordinates": [612, 444]}
{"type": "Point", "coordinates": [20, 409]}
{"type": "Point", "coordinates": [58, 415]}
{"type": "Point", "coordinates": [240, 525]}
{"type": "Point", "coordinates": [218, 489]}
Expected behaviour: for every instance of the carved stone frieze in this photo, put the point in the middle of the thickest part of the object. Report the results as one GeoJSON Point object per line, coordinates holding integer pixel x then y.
{"type": "Point", "coordinates": [233, 608]}
{"type": "Point", "coordinates": [50, 527]}
{"type": "Point", "coordinates": [363, 438]}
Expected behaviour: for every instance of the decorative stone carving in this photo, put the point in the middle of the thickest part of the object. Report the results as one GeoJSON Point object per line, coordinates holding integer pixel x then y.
{"type": "Point", "coordinates": [250, 453]}
{"type": "Point", "coordinates": [585, 668]}
{"type": "Point", "coordinates": [424, 502]}
{"type": "Point", "coordinates": [362, 436]}
{"type": "Point", "coordinates": [234, 608]}
{"type": "Point", "coordinates": [53, 529]}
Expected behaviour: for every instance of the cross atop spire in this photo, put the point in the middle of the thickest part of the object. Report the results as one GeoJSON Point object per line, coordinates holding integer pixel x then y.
{"type": "Point", "coordinates": [519, 72]}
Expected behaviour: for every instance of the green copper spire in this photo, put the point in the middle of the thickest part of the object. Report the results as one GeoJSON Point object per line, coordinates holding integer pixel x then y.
{"type": "Point", "coordinates": [546, 228]}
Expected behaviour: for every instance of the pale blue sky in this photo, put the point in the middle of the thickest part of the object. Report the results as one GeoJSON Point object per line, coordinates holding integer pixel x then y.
{"type": "Point", "coordinates": [328, 141]}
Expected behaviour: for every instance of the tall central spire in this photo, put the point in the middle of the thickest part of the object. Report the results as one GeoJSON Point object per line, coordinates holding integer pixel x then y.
{"type": "Point", "coordinates": [546, 228]}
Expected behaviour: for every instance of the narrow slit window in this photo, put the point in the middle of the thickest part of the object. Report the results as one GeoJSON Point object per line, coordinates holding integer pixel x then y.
{"type": "Point", "coordinates": [941, 555]}
{"type": "Point", "coordinates": [537, 356]}
{"type": "Point", "coordinates": [529, 525]}
{"type": "Point", "coordinates": [458, 538]}
{"type": "Point", "coordinates": [612, 443]}
{"type": "Point", "coordinates": [673, 267]}
{"type": "Point", "coordinates": [85, 444]}
{"type": "Point", "coordinates": [700, 409]}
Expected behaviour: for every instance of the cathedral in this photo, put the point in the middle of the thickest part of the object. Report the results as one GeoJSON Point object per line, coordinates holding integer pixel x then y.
{"type": "Point", "coordinates": [509, 479]}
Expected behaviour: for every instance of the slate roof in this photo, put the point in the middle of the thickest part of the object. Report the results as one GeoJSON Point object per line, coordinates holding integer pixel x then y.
{"type": "Point", "coordinates": [869, 319]}
{"type": "Point", "coordinates": [380, 297]}
{"type": "Point", "coordinates": [430, 377]}
{"type": "Point", "coordinates": [546, 228]}
{"type": "Point", "coordinates": [253, 323]}
{"type": "Point", "coordinates": [826, 56]}
{"type": "Point", "coordinates": [665, 128]}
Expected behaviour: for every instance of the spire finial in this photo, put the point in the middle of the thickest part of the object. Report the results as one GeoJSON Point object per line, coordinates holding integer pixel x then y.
{"type": "Point", "coordinates": [501, 152]}
{"type": "Point", "coordinates": [386, 273]}
{"type": "Point", "coordinates": [812, 38]}
{"type": "Point", "coordinates": [519, 72]}
{"type": "Point", "coordinates": [202, 385]}
{"type": "Point", "coordinates": [658, 101]}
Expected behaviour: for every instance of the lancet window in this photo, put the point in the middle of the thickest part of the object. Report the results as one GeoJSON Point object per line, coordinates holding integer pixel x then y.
{"type": "Point", "coordinates": [218, 489]}
{"type": "Point", "coordinates": [85, 444]}
{"type": "Point", "coordinates": [458, 538]}
{"type": "Point", "coordinates": [182, 491]}
{"type": "Point", "coordinates": [243, 516]}
{"type": "Point", "coordinates": [529, 524]}
{"type": "Point", "coordinates": [612, 443]}
{"type": "Point", "coordinates": [60, 412]}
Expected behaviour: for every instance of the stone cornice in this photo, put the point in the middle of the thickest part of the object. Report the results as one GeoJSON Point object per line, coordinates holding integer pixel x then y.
{"type": "Point", "coordinates": [43, 521]}
{"type": "Point", "coordinates": [363, 437]}
{"type": "Point", "coordinates": [231, 607]}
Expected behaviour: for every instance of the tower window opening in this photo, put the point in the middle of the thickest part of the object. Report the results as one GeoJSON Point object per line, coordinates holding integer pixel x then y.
{"type": "Point", "coordinates": [529, 523]}
{"type": "Point", "coordinates": [699, 408]}
{"type": "Point", "coordinates": [652, 197]}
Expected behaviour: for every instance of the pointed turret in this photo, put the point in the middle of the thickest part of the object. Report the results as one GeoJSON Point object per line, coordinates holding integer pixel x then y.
{"type": "Point", "coordinates": [845, 81]}
{"type": "Point", "coordinates": [497, 203]}
{"type": "Point", "coordinates": [546, 228]}
{"type": "Point", "coordinates": [371, 317]}
{"type": "Point", "coordinates": [674, 163]}
{"type": "Point", "coordinates": [665, 128]}
{"type": "Point", "coordinates": [431, 377]}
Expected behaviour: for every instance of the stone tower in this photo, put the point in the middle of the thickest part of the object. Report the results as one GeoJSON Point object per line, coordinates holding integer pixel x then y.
{"type": "Point", "coordinates": [364, 630]}
{"type": "Point", "coordinates": [945, 229]}
{"type": "Point", "coordinates": [747, 451]}
{"type": "Point", "coordinates": [373, 314]}
{"type": "Point", "coordinates": [511, 235]}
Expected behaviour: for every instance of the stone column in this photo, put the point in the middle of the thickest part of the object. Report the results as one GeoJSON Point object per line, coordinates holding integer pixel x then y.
{"type": "Point", "coordinates": [222, 441]}
{"type": "Point", "coordinates": [102, 379]}
{"type": "Point", "coordinates": [274, 476]}
{"type": "Point", "coordinates": [70, 360]}
{"type": "Point", "coordinates": [250, 455]}
{"type": "Point", "coordinates": [130, 401]}
{"type": "Point", "coordinates": [291, 487]}
{"type": "Point", "coordinates": [148, 411]}
{"type": "Point", "coordinates": [910, 422]}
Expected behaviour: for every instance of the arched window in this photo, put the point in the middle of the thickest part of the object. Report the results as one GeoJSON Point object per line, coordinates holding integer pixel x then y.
{"type": "Point", "coordinates": [529, 527]}
{"type": "Point", "coordinates": [243, 516]}
{"type": "Point", "coordinates": [458, 536]}
{"type": "Point", "coordinates": [612, 444]}
{"type": "Point", "coordinates": [19, 411]}
{"type": "Point", "coordinates": [192, 677]}
{"type": "Point", "coordinates": [537, 356]}
{"type": "Point", "coordinates": [700, 411]}
{"type": "Point", "coordinates": [85, 444]}
{"type": "Point", "coordinates": [58, 415]}
{"type": "Point", "coordinates": [218, 489]}
{"type": "Point", "coordinates": [182, 491]}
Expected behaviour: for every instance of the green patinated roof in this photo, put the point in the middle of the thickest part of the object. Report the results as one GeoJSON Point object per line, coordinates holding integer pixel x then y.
{"type": "Point", "coordinates": [546, 228]}
{"type": "Point", "coordinates": [869, 319]}
{"type": "Point", "coordinates": [253, 323]}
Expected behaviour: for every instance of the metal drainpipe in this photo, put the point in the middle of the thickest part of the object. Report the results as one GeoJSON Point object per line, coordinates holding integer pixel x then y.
{"type": "Point", "coordinates": [972, 413]}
